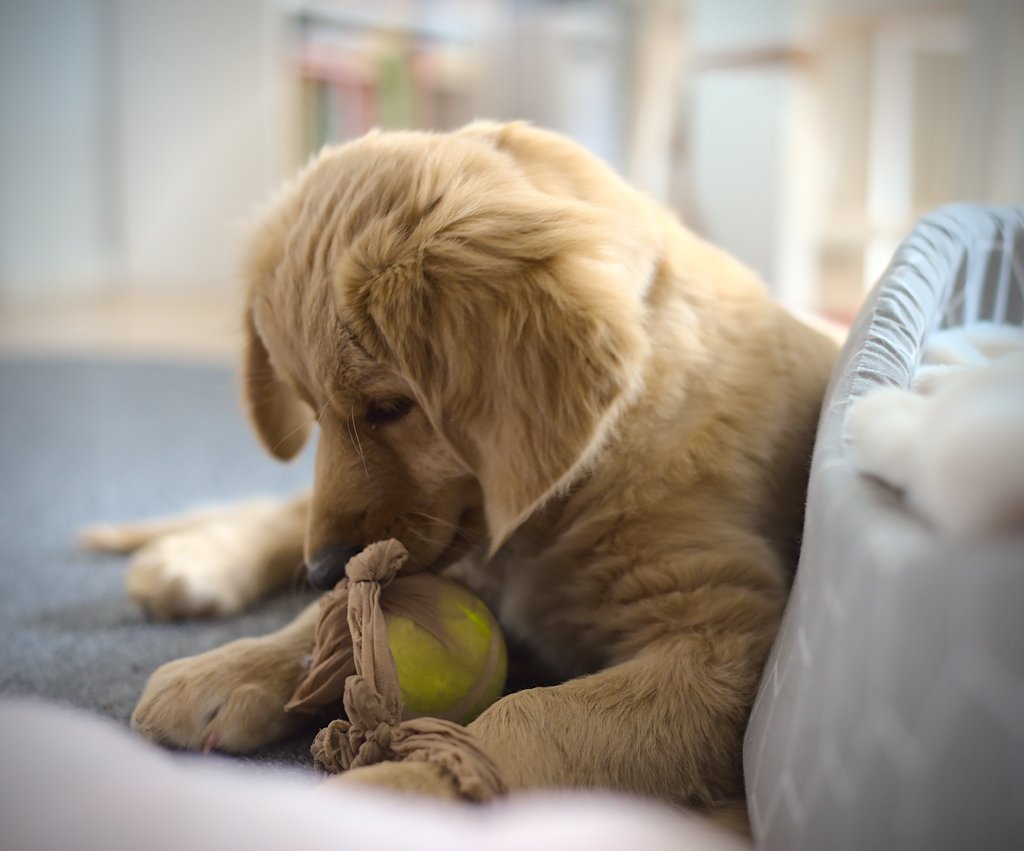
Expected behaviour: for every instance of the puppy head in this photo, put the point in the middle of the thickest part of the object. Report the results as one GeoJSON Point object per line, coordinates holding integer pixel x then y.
{"type": "Point", "coordinates": [465, 334]}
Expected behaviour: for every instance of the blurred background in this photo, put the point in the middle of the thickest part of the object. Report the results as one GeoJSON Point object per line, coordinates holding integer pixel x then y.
{"type": "Point", "coordinates": [805, 136]}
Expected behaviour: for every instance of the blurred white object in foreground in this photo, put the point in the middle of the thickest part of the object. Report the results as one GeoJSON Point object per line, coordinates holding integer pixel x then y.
{"type": "Point", "coordinates": [73, 781]}
{"type": "Point", "coordinates": [954, 443]}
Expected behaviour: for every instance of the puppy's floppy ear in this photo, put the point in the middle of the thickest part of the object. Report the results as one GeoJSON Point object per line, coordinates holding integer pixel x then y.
{"type": "Point", "coordinates": [518, 325]}
{"type": "Point", "coordinates": [281, 420]}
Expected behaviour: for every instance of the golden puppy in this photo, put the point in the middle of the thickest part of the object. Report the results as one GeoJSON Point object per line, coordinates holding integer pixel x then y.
{"type": "Point", "coordinates": [535, 377]}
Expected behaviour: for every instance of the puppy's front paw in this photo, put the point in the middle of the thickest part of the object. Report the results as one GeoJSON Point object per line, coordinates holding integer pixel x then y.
{"type": "Point", "coordinates": [230, 699]}
{"type": "Point", "coordinates": [199, 572]}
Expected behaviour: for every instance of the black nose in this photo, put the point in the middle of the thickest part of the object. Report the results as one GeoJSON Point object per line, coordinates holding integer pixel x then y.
{"type": "Point", "coordinates": [327, 566]}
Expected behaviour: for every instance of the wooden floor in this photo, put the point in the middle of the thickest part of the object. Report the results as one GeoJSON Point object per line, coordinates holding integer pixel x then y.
{"type": "Point", "coordinates": [194, 327]}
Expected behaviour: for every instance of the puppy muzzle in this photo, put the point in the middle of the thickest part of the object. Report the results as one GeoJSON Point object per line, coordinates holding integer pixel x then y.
{"type": "Point", "coordinates": [327, 566]}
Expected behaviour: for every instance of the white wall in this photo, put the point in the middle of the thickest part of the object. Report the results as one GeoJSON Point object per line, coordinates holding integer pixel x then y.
{"type": "Point", "coordinates": [135, 138]}
{"type": "Point", "coordinates": [737, 152]}
{"type": "Point", "coordinates": [198, 87]}
{"type": "Point", "coordinates": [54, 220]}
{"type": "Point", "coordinates": [754, 194]}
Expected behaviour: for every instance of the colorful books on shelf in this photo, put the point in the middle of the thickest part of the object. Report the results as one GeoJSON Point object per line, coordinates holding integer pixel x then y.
{"type": "Point", "coordinates": [353, 77]}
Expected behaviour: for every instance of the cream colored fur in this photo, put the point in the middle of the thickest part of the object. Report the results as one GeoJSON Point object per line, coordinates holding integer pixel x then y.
{"type": "Point", "coordinates": [609, 440]}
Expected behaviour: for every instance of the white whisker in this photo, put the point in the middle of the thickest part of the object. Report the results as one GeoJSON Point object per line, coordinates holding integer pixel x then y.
{"type": "Point", "coordinates": [314, 421]}
{"type": "Point", "coordinates": [353, 434]}
{"type": "Point", "coordinates": [437, 520]}
{"type": "Point", "coordinates": [457, 530]}
{"type": "Point", "coordinates": [425, 538]}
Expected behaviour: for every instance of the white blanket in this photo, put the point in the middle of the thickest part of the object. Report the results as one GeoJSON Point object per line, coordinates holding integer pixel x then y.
{"type": "Point", "coordinates": [954, 442]}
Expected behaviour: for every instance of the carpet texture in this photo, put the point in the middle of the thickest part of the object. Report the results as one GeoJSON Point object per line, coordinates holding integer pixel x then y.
{"type": "Point", "coordinates": [88, 442]}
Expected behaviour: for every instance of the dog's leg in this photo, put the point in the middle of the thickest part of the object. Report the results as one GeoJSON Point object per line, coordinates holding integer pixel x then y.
{"type": "Point", "coordinates": [128, 537]}
{"type": "Point", "coordinates": [231, 698]}
{"type": "Point", "coordinates": [213, 562]}
{"type": "Point", "coordinates": [666, 724]}
{"type": "Point", "coordinates": [666, 720]}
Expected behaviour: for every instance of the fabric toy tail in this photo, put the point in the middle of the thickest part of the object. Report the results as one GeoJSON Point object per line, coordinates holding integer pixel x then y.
{"type": "Point", "coordinates": [374, 731]}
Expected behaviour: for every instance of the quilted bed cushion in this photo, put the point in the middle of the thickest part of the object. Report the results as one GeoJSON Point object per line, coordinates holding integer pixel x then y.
{"type": "Point", "coordinates": [891, 714]}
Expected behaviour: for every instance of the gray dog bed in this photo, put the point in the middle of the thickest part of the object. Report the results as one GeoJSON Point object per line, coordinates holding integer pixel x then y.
{"type": "Point", "coordinates": [87, 442]}
{"type": "Point", "coordinates": [891, 714]}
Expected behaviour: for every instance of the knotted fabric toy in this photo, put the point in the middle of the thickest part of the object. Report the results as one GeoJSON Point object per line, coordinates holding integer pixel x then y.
{"type": "Point", "coordinates": [375, 730]}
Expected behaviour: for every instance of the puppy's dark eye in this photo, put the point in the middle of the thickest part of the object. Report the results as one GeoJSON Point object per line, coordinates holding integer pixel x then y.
{"type": "Point", "coordinates": [386, 411]}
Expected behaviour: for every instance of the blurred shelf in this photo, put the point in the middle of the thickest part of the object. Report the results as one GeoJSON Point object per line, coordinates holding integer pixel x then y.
{"type": "Point", "coordinates": [194, 326]}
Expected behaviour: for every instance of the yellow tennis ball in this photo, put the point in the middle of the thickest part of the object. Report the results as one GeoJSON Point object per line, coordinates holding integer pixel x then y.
{"type": "Point", "coordinates": [448, 649]}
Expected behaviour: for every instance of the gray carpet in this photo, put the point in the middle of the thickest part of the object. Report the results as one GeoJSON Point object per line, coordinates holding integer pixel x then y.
{"type": "Point", "coordinates": [87, 442]}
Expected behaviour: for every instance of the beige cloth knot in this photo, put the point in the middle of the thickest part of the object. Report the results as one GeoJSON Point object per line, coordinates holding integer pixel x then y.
{"type": "Point", "coordinates": [379, 563]}
{"type": "Point", "coordinates": [363, 700]}
{"type": "Point", "coordinates": [374, 731]}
